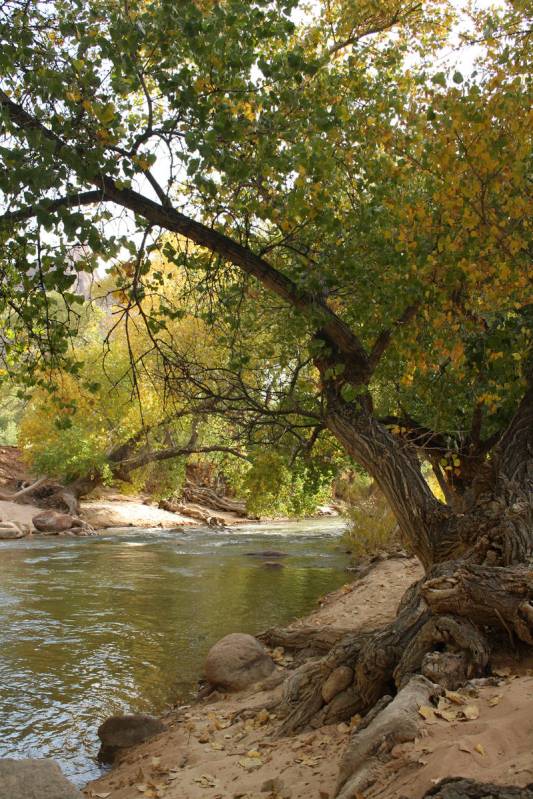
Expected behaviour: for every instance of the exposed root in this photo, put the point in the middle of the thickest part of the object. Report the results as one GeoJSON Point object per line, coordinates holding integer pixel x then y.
{"type": "Point", "coordinates": [312, 640]}
{"type": "Point", "coordinates": [499, 597]}
{"type": "Point", "coordinates": [397, 723]}
{"type": "Point", "coordinates": [466, 655]}
{"type": "Point", "coordinates": [457, 788]}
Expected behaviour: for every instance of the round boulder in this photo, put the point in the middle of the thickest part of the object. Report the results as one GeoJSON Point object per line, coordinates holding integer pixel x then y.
{"type": "Point", "coordinates": [51, 521]}
{"type": "Point", "coordinates": [118, 732]}
{"type": "Point", "coordinates": [237, 661]}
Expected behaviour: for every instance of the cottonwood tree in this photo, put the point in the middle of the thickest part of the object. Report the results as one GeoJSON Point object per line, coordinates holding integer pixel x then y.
{"type": "Point", "coordinates": [321, 163]}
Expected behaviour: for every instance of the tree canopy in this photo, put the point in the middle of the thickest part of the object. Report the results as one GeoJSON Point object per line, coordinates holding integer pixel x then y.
{"type": "Point", "coordinates": [346, 200]}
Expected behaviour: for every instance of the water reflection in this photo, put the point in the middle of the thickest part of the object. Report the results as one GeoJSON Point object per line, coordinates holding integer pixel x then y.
{"type": "Point", "coordinates": [123, 622]}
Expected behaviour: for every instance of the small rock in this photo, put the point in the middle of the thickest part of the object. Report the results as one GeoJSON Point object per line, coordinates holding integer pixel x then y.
{"type": "Point", "coordinates": [277, 787]}
{"type": "Point", "coordinates": [272, 564]}
{"type": "Point", "coordinates": [52, 522]}
{"type": "Point", "coordinates": [118, 732]}
{"type": "Point", "coordinates": [10, 530]}
{"type": "Point", "coordinates": [34, 779]}
{"type": "Point", "coordinates": [338, 680]}
{"type": "Point", "coordinates": [237, 661]}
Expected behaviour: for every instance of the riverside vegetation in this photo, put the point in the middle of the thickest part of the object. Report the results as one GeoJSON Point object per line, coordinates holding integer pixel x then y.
{"type": "Point", "coordinates": [290, 239]}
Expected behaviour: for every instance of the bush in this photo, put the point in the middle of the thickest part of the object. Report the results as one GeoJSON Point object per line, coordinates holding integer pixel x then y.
{"type": "Point", "coordinates": [273, 487]}
{"type": "Point", "coordinates": [371, 527]}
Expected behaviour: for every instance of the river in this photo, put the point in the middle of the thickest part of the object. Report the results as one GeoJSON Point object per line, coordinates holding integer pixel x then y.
{"type": "Point", "coordinates": [122, 622]}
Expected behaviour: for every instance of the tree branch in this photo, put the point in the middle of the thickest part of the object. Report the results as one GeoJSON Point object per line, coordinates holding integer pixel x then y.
{"type": "Point", "coordinates": [383, 340]}
{"type": "Point", "coordinates": [313, 306]}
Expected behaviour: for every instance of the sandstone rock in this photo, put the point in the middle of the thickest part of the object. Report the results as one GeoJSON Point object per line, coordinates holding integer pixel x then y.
{"type": "Point", "coordinates": [34, 779]}
{"type": "Point", "coordinates": [237, 661]}
{"type": "Point", "coordinates": [51, 522]}
{"type": "Point", "coordinates": [10, 530]}
{"type": "Point", "coordinates": [338, 680]}
{"type": "Point", "coordinates": [118, 732]}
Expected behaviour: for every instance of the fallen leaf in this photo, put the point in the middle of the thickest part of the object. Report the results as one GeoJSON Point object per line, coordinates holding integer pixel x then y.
{"type": "Point", "coordinates": [481, 749]}
{"type": "Point", "coordinates": [263, 716]}
{"type": "Point", "coordinates": [217, 746]}
{"type": "Point", "coordinates": [253, 753]}
{"type": "Point", "coordinates": [249, 763]}
{"type": "Point", "coordinates": [495, 700]}
{"type": "Point", "coordinates": [155, 761]}
{"type": "Point", "coordinates": [455, 697]}
{"type": "Point", "coordinates": [470, 712]}
{"type": "Point", "coordinates": [427, 712]}
{"type": "Point", "coordinates": [446, 713]}
{"type": "Point", "coordinates": [206, 781]}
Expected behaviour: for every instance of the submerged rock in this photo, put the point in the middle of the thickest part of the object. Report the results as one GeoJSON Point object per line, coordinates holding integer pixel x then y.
{"type": "Point", "coordinates": [119, 732]}
{"type": "Point", "coordinates": [237, 661]}
{"type": "Point", "coordinates": [34, 779]}
{"type": "Point", "coordinates": [267, 553]}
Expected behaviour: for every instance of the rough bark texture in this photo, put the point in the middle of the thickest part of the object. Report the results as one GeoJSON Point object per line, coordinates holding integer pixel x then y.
{"type": "Point", "coordinates": [397, 723]}
{"type": "Point", "coordinates": [469, 789]}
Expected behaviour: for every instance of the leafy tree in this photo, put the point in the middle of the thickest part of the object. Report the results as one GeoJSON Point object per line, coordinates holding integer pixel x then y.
{"type": "Point", "coordinates": [368, 209]}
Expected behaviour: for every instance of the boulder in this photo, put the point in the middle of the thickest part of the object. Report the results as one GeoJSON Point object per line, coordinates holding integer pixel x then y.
{"type": "Point", "coordinates": [10, 530]}
{"type": "Point", "coordinates": [51, 522]}
{"type": "Point", "coordinates": [237, 661]}
{"type": "Point", "coordinates": [34, 779]}
{"type": "Point", "coordinates": [118, 732]}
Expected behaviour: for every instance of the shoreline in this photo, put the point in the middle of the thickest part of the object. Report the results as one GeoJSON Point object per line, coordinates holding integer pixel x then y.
{"type": "Point", "coordinates": [224, 746]}
{"type": "Point", "coordinates": [212, 736]}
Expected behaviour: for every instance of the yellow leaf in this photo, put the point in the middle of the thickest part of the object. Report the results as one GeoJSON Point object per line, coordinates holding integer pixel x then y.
{"type": "Point", "coordinates": [481, 749]}
{"type": "Point", "coordinates": [471, 712]}
{"type": "Point", "coordinates": [427, 712]}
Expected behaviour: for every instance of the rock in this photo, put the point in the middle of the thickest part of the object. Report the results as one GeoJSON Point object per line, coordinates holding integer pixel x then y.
{"type": "Point", "coordinates": [34, 779]}
{"type": "Point", "coordinates": [118, 732]}
{"type": "Point", "coordinates": [272, 564]}
{"type": "Point", "coordinates": [277, 787]}
{"type": "Point", "coordinates": [237, 661]}
{"type": "Point", "coordinates": [267, 553]}
{"type": "Point", "coordinates": [338, 680]}
{"type": "Point", "coordinates": [52, 522]}
{"type": "Point", "coordinates": [102, 514]}
{"type": "Point", "coordinates": [10, 530]}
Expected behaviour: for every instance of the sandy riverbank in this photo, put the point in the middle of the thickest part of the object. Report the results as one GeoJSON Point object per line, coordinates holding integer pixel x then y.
{"type": "Point", "coordinates": [224, 747]}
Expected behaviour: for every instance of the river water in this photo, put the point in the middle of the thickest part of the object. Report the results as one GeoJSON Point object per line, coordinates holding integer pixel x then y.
{"type": "Point", "coordinates": [122, 622]}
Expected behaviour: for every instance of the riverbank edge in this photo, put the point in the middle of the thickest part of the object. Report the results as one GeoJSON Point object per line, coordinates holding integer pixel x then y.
{"type": "Point", "coordinates": [207, 721]}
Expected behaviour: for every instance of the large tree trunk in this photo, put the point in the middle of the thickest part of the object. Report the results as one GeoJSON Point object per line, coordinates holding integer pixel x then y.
{"type": "Point", "coordinates": [478, 582]}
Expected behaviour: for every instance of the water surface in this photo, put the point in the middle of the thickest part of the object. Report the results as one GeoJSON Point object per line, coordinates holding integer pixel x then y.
{"type": "Point", "coordinates": [122, 622]}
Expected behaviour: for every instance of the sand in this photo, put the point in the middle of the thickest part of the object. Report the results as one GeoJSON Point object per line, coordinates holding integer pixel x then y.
{"type": "Point", "coordinates": [225, 747]}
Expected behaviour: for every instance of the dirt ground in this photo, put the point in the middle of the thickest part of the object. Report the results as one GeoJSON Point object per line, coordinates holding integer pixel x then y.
{"type": "Point", "coordinates": [225, 747]}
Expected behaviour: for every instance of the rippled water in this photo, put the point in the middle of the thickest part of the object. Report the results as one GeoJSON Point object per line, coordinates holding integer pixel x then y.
{"type": "Point", "coordinates": [90, 627]}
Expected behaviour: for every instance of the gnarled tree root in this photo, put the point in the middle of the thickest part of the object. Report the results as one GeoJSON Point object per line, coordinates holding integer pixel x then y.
{"type": "Point", "coordinates": [397, 723]}
{"type": "Point", "coordinates": [458, 788]}
{"type": "Point", "coordinates": [442, 630]}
